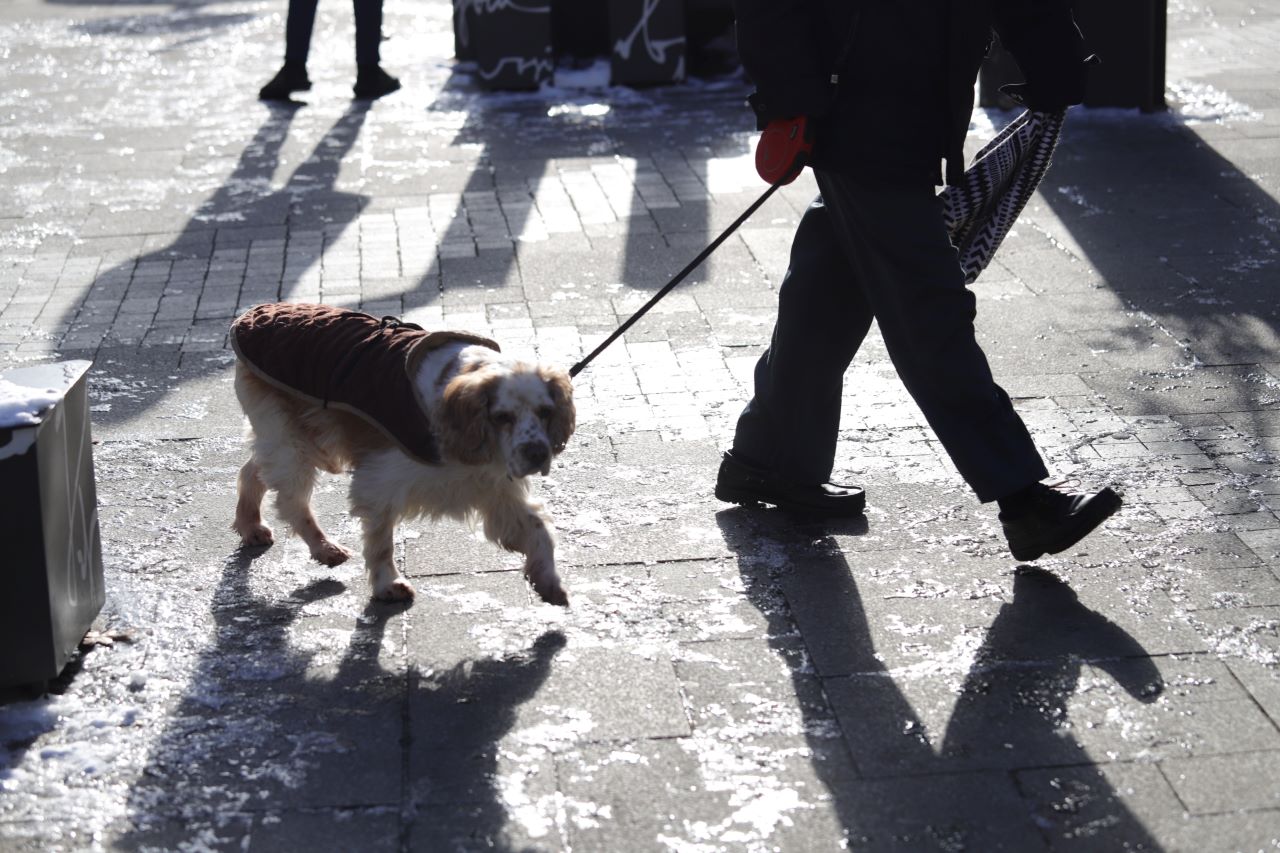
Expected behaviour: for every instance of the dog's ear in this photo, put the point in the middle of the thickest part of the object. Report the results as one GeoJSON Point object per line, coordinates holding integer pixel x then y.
{"type": "Point", "coordinates": [564, 420]}
{"type": "Point", "coordinates": [464, 430]}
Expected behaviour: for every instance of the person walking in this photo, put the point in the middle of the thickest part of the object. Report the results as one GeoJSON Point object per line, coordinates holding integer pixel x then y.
{"type": "Point", "coordinates": [371, 80]}
{"type": "Point", "coordinates": [882, 95]}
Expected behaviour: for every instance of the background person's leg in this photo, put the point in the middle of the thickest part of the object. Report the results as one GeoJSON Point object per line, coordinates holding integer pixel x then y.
{"type": "Point", "coordinates": [791, 424]}
{"type": "Point", "coordinates": [371, 80]}
{"type": "Point", "coordinates": [368, 31]}
{"type": "Point", "coordinates": [292, 76]}
{"type": "Point", "coordinates": [299, 23]}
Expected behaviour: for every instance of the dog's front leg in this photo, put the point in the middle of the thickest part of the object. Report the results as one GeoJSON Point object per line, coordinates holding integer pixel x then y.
{"type": "Point", "coordinates": [522, 526]}
{"type": "Point", "coordinates": [379, 555]}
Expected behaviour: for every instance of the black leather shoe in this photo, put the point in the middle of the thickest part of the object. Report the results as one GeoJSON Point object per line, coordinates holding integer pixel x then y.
{"type": "Point", "coordinates": [372, 82]}
{"type": "Point", "coordinates": [290, 78]}
{"type": "Point", "coordinates": [1052, 520]}
{"type": "Point", "coordinates": [742, 483]}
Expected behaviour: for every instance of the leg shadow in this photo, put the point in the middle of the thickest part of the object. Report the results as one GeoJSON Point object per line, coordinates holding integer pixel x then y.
{"type": "Point", "coordinates": [903, 789]}
{"type": "Point", "coordinates": [232, 253]}
{"type": "Point", "coordinates": [299, 729]}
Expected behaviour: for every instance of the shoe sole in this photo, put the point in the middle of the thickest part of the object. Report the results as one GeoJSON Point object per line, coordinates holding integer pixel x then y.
{"type": "Point", "coordinates": [1099, 509]}
{"type": "Point", "coordinates": [851, 508]}
{"type": "Point", "coordinates": [283, 96]}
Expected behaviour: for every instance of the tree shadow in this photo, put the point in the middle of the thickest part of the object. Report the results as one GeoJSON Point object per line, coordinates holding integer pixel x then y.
{"type": "Point", "coordinates": [283, 738]}
{"type": "Point", "coordinates": [903, 787]}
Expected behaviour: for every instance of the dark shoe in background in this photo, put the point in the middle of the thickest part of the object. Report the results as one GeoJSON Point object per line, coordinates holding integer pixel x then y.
{"type": "Point", "coordinates": [291, 78]}
{"type": "Point", "coordinates": [740, 482]}
{"type": "Point", "coordinates": [372, 82]}
{"type": "Point", "coordinates": [1051, 520]}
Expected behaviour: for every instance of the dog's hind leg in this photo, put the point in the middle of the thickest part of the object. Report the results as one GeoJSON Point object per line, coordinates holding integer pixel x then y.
{"type": "Point", "coordinates": [293, 502]}
{"type": "Point", "coordinates": [250, 490]}
{"type": "Point", "coordinates": [520, 525]}
{"type": "Point", "coordinates": [285, 471]}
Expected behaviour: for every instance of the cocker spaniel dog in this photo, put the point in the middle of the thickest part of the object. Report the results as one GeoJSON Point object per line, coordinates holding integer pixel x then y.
{"type": "Point", "coordinates": [436, 424]}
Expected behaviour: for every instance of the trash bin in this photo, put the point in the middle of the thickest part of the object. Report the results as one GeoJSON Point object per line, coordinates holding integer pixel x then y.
{"type": "Point", "coordinates": [580, 29]}
{"type": "Point", "coordinates": [511, 44]}
{"type": "Point", "coordinates": [647, 39]}
{"type": "Point", "coordinates": [53, 563]}
{"type": "Point", "coordinates": [1128, 36]}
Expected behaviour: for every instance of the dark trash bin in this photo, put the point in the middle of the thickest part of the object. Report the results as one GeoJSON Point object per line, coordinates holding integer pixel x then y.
{"type": "Point", "coordinates": [580, 28]}
{"type": "Point", "coordinates": [53, 566]}
{"type": "Point", "coordinates": [647, 41]}
{"type": "Point", "coordinates": [1129, 38]}
{"type": "Point", "coordinates": [510, 43]}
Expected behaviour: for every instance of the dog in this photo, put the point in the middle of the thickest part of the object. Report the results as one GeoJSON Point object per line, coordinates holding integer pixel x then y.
{"type": "Point", "coordinates": [428, 424]}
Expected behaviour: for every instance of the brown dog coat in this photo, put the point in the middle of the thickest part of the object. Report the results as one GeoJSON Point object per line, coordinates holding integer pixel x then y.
{"type": "Point", "coordinates": [347, 360]}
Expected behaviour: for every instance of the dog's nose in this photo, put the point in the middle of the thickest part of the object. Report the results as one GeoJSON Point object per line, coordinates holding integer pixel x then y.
{"type": "Point", "coordinates": [536, 454]}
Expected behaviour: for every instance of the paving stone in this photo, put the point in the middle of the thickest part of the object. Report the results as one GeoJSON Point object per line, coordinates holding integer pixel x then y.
{"type": "Point", "coordinates": [1217, 783]}
{"type": "Point", "coordinates": [341, 828]}
{"type": "Point", "coordinates": [1116, 803]}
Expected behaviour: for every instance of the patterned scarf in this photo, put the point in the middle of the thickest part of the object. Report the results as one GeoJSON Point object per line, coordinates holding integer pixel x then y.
{"type": "Point", "coordinates": [980, 210]}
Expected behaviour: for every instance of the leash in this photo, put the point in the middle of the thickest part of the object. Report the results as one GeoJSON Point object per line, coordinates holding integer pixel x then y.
{"type": "Point", "coordinates": [679, 277]}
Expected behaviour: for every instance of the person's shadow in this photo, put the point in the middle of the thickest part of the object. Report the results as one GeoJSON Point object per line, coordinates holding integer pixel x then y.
{"type": "Point", "coordinates": [282, 734]}
{"type": "Point", "coordinates": [213, 251]}
{"type": "Point", "coordinates": [900, 786]}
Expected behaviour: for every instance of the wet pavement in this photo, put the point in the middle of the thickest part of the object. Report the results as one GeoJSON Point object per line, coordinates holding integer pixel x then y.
{"type": "Point", "coordinates": [726, 679]}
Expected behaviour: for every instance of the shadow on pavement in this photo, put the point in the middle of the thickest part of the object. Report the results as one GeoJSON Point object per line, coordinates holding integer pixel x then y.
{"type": "Point", "coordinates": [1175, 230]}
{"type": "Point", "coordinates": [902, 787]}
{"type": "Point", "coordinates": [244, 208]}
{"type": "Point", "coordinates": [524, 137]}
{"type": "Point", "coordinates": [286, 740]}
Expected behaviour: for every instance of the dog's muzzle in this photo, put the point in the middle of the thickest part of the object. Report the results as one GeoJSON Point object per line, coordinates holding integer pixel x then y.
{"type": "Point", "coordinates": [534, 456]}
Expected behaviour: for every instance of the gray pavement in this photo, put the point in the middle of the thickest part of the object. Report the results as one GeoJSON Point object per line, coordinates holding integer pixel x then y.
{"type": "Point", "coordinates": [726, 679]}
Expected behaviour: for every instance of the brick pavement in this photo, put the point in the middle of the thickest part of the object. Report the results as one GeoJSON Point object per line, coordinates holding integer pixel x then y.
{"type": "Point", "coordinates": [726, 679]}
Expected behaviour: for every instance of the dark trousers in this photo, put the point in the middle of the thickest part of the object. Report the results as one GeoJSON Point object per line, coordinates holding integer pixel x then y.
{"type": "Point", "coordinates": [869, 252]}
{"type": "Point", "coordinates": [302, 18]}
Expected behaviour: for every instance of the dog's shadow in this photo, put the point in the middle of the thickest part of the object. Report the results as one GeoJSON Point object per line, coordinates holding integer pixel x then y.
{"type": "Point", "coordinates": [298, 726]}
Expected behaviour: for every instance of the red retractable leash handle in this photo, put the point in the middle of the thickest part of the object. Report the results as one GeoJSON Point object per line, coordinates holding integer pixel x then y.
{"type": "Point", "coordinates": [783, 151]}
{"type": "Point", "coordinates": [785, 148]}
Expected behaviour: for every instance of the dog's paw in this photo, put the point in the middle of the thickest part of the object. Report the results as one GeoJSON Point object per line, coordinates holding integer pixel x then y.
{"type": "Point", "coordinates": [256, 536]}
{"type": "Point", "coordinates": [330, 553]}
{"type": "Point", "coordinates": [398, 590]}
{"type": "Point", "coordinates": [552, 593]}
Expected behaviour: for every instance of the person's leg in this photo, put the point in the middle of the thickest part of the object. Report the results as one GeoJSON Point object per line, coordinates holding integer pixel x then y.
{"type": "Point", "coordinates": [898, 247]}
{"type": "Point", "coordinates": [901, 254]}
{"type": "Point", "coordinates": [371, 80]}
{"type": "Point", "coordinates": [299, 23]}
{"type": "Point", "coordinates": [368, 31]}
{"type": "Point", "coordinates": [791, 424]}
{"type": "Point", "coordinates": [292, 77]}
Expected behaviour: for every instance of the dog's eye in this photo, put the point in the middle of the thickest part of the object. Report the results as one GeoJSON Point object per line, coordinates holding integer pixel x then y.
{"type": "Point", "coordinates": [503, 419]}
{"type": "Point", "coordinates": [546, 412]}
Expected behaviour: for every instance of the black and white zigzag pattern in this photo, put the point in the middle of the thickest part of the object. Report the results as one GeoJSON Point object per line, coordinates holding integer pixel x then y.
{"type": "Point", "coordinates": [980, 211]}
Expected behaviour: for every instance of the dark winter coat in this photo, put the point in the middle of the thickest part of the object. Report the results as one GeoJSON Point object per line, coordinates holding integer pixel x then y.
{"type": "Point", "coordinates": [890, 82]}
{"type": "Point", "coordinates": [347, 360]}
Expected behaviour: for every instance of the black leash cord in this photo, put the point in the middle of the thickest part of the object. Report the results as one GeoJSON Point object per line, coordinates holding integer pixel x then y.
{"type": "Point", "coordinates": [680, 276]}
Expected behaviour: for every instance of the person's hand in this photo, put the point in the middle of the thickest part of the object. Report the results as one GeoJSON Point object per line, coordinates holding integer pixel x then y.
{"type": "Point", "coordinates": [784, 150]}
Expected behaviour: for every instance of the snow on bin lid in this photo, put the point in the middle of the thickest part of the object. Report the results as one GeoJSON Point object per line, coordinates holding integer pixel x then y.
{"type": "Point", "coordinates": [27, 393]}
